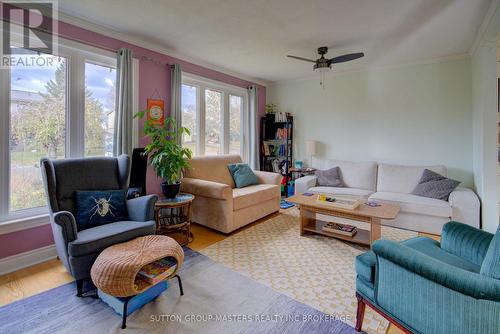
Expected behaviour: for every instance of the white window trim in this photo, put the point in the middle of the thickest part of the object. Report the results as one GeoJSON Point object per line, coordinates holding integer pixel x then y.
{"type": "Point", "coordinates": [33, 217]}
{"type": "Point", "coordinates": [226, 90]}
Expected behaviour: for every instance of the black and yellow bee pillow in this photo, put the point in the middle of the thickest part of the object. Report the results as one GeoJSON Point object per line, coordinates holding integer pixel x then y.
{"type": "Point", "coordinates": [94, 208]}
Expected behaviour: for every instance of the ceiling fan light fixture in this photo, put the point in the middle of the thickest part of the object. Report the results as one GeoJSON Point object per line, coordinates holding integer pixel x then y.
{"type": "Point", "coordinates": [323, 64]}
{"type": "Point", "coordinates": [322, 68]}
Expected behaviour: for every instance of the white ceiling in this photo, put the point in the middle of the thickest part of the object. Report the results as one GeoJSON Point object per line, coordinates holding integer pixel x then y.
{"type": "Point", "coordinates": [253, 37]}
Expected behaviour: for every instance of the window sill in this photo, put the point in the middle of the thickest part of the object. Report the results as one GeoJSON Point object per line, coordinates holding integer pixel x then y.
{"type": "Point", "coordinates": [15, 225]}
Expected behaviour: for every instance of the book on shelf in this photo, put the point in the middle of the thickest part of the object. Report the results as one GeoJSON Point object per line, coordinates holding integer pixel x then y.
{"type": "Point", "coordinates": [157, 271]}
{"type": "Point", "coordinates": [338, 202]}
{"type": "Point", "coordinates": [274, 149]}
{"type": "Point", "coordinates": [282, 133]}
{"type": "Point", "coordinates": [337, 228]}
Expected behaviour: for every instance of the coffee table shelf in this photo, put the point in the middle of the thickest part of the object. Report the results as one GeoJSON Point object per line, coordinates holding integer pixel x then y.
{"type": "Point", "coordinates": [361, 237]}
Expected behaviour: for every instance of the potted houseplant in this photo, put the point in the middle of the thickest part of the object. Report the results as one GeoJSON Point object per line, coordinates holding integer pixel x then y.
{"type": "Point", "coordinates": [166, 156]}
{"type": "Point", "coordinates": [271, 109]}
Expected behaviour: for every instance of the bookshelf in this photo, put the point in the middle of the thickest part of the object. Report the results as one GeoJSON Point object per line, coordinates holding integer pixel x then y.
{"type": "Point", "coordinates": [276, 154]}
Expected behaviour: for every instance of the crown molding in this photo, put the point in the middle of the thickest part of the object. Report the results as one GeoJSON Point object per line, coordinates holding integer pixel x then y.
{"type": "Point", "coordinates": [110, 32]}
{"type": "Point", "coordinates": [484, 25]}
{"type": "Point", "coordinates": [336, 73]}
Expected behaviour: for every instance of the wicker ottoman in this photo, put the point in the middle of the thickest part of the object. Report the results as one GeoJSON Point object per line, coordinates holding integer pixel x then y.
{"type": "Point", "coordinates": [115, 270]}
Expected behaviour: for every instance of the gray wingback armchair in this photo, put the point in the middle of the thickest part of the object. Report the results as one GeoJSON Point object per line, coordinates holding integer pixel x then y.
{"type": "Point", "coordinates": [79, 249]}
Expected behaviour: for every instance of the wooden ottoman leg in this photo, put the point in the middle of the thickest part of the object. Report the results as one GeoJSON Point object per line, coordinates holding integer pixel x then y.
{"type": "Point", "coordinates": [180, 284]}
{"type": "Point", "coordinates": [360, 314]}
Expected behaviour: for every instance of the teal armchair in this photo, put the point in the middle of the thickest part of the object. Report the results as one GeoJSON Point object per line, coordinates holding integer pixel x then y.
{"type": "Point", "coordinates": [423, 286]}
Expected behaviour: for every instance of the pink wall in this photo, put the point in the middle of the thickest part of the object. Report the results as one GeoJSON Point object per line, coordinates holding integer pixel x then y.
{"type": "Point", "coordinates": [151, 76]}
{"type": "Point", "coordinates": [26, 240]}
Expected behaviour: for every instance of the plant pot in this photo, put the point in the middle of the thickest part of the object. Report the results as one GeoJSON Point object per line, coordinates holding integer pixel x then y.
{"type": "Point", "coordinates": [170, 190]}
{"type": "Point", "coordinates": [270, 117]}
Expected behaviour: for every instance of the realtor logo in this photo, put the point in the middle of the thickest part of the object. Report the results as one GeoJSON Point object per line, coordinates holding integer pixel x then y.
{"type": "Point", "coordinates": [28, 30]}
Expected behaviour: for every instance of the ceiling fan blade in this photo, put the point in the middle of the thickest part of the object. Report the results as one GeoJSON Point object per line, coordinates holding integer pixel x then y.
{"type": "Point", "coordinates": [347, 57]}
{"type": "Point", "coordinates": [300, 58]}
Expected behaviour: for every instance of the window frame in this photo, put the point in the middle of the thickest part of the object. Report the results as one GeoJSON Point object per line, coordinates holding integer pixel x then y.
{"type": "Point", "coordinates": [76, 54]}
{"type": "Point", "coordinates": [202, 84]}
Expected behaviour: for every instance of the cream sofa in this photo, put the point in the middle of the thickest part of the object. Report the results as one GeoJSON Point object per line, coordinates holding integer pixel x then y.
{"type": "Point", "coordinates": [218, 204]}
{"type": "Point", "coordinates": [394, 184]}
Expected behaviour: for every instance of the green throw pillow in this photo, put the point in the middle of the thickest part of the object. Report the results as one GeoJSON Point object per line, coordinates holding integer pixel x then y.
{"type": "Point", "coordinates": [242, 175]}
{"type": "Point", "coordinates": [491, 262]}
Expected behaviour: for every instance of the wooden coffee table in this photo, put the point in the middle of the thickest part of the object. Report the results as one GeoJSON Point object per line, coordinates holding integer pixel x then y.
{"type": "Point", "coordinates": [309, 207]}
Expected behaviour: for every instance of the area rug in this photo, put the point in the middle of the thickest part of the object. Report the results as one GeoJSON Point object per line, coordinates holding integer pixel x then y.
{"type": "Point", "coordinates": [216, 300]}
{"type": "Point", "coordinates": [315, 270]}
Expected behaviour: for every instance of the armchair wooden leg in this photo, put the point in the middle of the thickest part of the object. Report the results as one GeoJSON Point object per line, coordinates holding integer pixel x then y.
{"type": "Point", "coordinates": [79, 288]}
{"type": "Point", "coordinates": [360, 314]}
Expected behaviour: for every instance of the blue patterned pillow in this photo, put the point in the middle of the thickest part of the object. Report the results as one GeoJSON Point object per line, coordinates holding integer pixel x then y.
{"type": "Point", "coordinates": [242, 175]}
{"type": "Point", "coordinates": [94, 208]}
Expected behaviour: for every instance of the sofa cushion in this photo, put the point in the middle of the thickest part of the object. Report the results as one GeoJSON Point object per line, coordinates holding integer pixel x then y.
{"type": "Point", "coordinates": [415, 204]}
{"type": "Point", "coordinates": [251, 195]}
{"type": "Point", "coordinates": [432, 248]}
{"type": "Point", "coordinates": [98, 238]}
{"type": "Point", "coordinates": [365, 288]}
{"type": "Point", "coordinates": [212, 168]}
{"type": "Point", "coordinates": [365, 263]}
{"type": "Point", "coordinates": [242, 175]}
{"type": "Point", "coordinates": [434, 185]}
{"type": "Point", "coordinates": [329, 178]}
{"type": "Point", "coordinates": [341, 191]}
{"type": "Point", "coordinates": [402, 179]}
{"type": "Point", "coordinates": [491, 262]}
{"type": "Point", "coordinates": [365, 266]}
{"type": "Point", "coordinates": [361, 175]}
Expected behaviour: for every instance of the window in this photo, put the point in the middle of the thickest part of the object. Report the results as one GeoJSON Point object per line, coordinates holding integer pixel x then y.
{"type": "Point", "coordinates": [213, 112]}
{"type": "Point", "coordinates": [235, 115]}
{"type": "Point", "coordinates": [37, 128]}
{"type": "Point", "coordinates": [213, 122]}
{"type": "Point", "coordinates": [100, 95]}
{"type": "Point", "coordinates": [65, 108]}
{"type": "Point", "coordinates": [189, 116]}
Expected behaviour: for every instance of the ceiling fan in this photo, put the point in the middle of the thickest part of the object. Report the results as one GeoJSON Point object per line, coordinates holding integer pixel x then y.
{"type": "Point", "coordinates": [323, 64]}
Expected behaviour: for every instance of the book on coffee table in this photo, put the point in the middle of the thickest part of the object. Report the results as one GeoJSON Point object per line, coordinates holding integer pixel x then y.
{"type": "Point", "coordinates": [337, 228]}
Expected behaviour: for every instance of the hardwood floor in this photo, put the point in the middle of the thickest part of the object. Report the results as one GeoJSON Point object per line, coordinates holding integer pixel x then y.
{"type": "Point", "coordinates": [32, 280]}
{"type": "Point", "coordinates": [51, 274]}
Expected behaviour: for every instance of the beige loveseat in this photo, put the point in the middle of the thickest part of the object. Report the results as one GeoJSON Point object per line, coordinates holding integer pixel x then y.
{"type": "Point", "coordinates": [222, 206]}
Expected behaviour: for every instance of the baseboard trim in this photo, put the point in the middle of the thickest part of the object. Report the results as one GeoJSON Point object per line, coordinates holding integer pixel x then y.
{"type": "Point", "coordinates": [27, 259]}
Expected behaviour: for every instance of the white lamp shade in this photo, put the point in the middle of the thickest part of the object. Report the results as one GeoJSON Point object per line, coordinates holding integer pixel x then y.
{"type": "Point", "coordinates": [311, 147]}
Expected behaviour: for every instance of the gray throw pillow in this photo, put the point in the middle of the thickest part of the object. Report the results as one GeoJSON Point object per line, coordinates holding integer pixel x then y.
{"type": "Point", "coordinates": [329, 178]}
{"type": "Point", "coordinates": [434, 185]}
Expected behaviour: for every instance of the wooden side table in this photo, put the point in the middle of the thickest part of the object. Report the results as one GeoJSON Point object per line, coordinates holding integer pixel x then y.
{"type": "Point", "coordinates": [301, 172]}
{"type": "Point", "coordinates": [173, 217]}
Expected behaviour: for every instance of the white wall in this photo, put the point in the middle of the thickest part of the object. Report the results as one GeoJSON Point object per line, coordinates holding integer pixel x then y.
{"type": "Point", "coordinates": [416, 115]}
{"type": "Point", "coordinates": [484, 83]}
